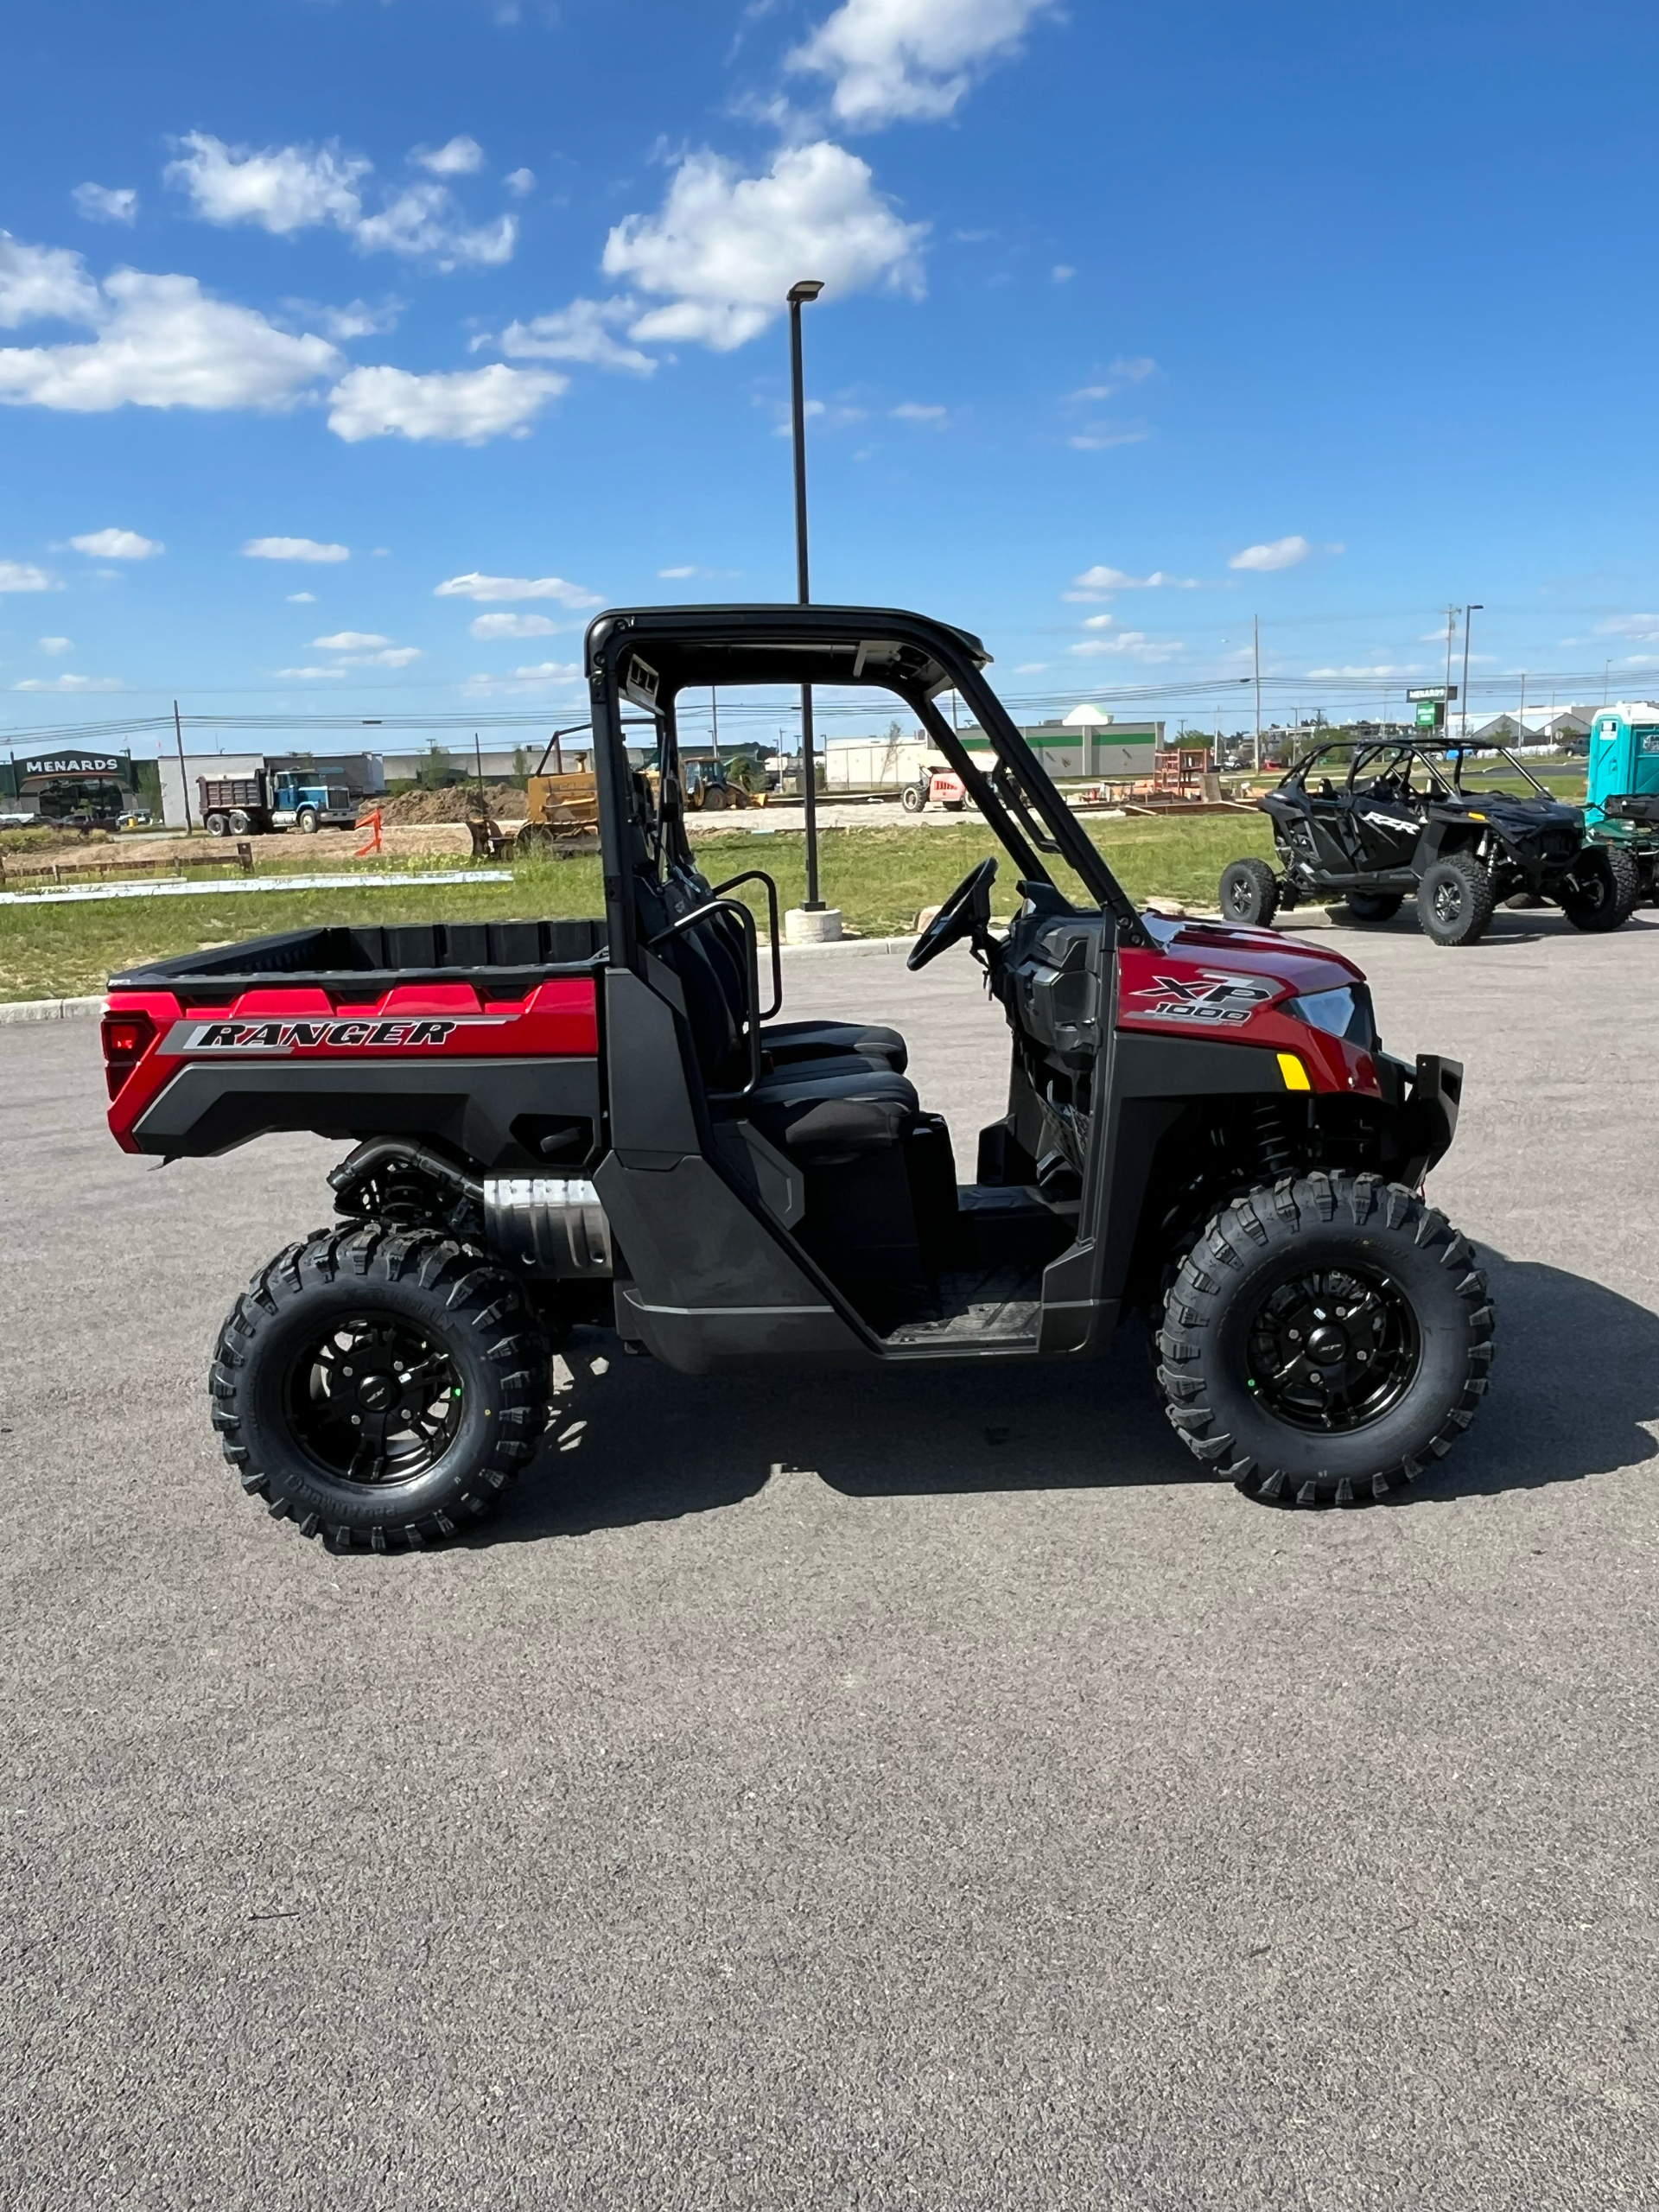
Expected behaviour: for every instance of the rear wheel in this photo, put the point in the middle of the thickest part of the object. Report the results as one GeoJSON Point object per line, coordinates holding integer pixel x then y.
{"type": "Point", "coordinates": [1249, 894]}
{"type": "Point", "coordinates": [1602, 890]}
{"type": "Point", "coordinates": [380, 1385]}
{"type": "Point", "coordinates": [239, 823]}
{"type": "Point", "coordinates": [1369, 906]}
{"type": "Point", "coordinates": [1454, 899]}
{"type": "Point", "coordinates": [1326, 1340]}
{"type": "Point", "coordinates": [218, 825]}
{"type": "Point", "coordinates": [912, 798]}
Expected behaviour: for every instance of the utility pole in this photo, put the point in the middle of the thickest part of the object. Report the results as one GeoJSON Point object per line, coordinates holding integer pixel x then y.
{"type": "Point", "coordinates": [184, 781]}
{"type": "Point", "coordinates": [1474, 608]}
{"type": "Point", "coordinates": [1451, 614]}
{"type": "Point", "coordinates": [1522, 739]}
{"type": "Point", "coordinates": [1256, 632]}
{"type": "Point", "coordinates": [799, 295]}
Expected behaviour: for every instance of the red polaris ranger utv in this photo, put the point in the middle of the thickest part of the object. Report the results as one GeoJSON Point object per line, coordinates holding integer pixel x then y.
{"type": "Point", "coordinates": [605, 1120]}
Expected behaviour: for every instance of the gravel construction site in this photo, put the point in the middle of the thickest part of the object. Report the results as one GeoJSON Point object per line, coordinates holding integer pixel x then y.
{"type": "Point", "coordinates": [926, 1788]}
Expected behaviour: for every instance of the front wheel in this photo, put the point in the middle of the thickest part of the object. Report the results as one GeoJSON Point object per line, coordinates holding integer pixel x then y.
{"type": "Point", "coordinates": [1249, 894]}
{"type": "Point", "coordinates": [912, 798]}
{"type": "Point", "coordinates": [1324, 1340]}
{"type": "Point", "coordinates": [1602, 890]}
{"type": "Point", "coordinates": [380, 1385]}
{"type": "Point", "coordinates": [306, 819]}
{"type": "Point", "coordinates": [1455, 899]}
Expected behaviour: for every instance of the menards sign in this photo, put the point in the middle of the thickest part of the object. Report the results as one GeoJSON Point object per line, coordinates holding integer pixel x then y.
{"type": "Point", "coordinates": [67, 763]}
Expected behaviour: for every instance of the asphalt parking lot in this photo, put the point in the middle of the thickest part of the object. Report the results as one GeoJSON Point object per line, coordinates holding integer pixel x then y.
{"type": "Point", "coordinates": [923, 1791]}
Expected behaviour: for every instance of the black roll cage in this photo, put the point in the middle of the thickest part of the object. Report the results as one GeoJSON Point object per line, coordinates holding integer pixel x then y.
{"type": "Point", "coordinates": [1366, 750]}
{"type": "Point", "coordinates": [668, 649]}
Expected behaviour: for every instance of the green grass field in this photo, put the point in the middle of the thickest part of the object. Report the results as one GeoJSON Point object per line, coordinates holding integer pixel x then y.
{"type": "Point", "coordinates": [880, 878]}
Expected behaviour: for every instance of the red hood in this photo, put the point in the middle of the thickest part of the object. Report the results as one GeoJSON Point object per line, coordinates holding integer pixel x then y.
{"type": "Point", "coordinates": [1301, 968]}
{"type": "Point", "coordinates": [1232, 986]}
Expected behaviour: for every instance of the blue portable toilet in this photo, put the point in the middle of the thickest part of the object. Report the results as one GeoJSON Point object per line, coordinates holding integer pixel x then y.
{"type": "Point", "coordinates": [1624, 756]}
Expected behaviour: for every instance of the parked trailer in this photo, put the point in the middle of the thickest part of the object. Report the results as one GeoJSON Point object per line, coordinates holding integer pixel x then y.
{"type": "Point", "coordinates": [251, 805]}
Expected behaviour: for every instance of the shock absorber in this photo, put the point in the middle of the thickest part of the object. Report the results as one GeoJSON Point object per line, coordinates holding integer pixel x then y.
{"type": "Point", "coordinates": [1272, 1138]}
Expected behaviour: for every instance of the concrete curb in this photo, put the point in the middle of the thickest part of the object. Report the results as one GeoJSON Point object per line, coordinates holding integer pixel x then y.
{"type": "Point", "coordinates": [51, 1009]}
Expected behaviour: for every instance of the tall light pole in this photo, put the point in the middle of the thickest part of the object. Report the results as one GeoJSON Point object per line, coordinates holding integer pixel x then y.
{"type": "Point", "coordinates": [1475, 608]}
{"type": "Point", "coordinates": [799, 295]}
{"type": "Point", "coordinates": [1255, 634]}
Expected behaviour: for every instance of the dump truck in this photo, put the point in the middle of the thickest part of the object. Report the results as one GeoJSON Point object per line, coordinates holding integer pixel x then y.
{"type": "Point", "coordinates": [268, 800]}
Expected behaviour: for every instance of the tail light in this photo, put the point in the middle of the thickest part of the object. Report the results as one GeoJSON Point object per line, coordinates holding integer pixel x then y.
{"type": "Point", "coordinates": [127, 1038]}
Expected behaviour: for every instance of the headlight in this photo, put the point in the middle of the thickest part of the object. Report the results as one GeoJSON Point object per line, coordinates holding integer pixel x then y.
{"type": "Point", "coordinates": [1346, 1013]}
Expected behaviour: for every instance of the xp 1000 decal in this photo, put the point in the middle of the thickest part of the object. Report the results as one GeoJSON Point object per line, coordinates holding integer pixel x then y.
{"type": "Point", "coordinates": [1210, 998]}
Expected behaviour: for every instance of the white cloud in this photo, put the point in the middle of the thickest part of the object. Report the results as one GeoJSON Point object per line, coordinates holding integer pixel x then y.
{"type": "Point", "coordinates": [514, 625]}
{"type": "Point", "coordinates": [467, 405]}
{"type": "Point", "coordinates": [99, 204]}
{"type": "Point", "coordinates": [684, 569]}
{"type": "Point", "coordinates": [56, 646]}
{"type": "Point", "coordinates": [520, 181]}
{"type": "Point", "coordinates": [725, 249]}
{"type": "Point", "coordinates": [284, 189]}
{"type": "Point", "coordinates": [1031, 668]}
{"type": "Point", "coordinates": [914, 60]}
{"type": "Point", "coordinates": [1136, 370]}
{"type": "Point", "coordinates": [1100, 437]}
{"type": "Point", "coordinates": [912, 411]}
{"type": "Point", "coordinates": [70, 683]}
{"type": "Point", "coordinates": [310, 675]}
{"type": "Point", "coordinates": [1280, 553]}
{"type": "Point", "coordinates": [351, 641]}
{"type": "Point", "coordinates": [41, 281]}
{"type": "Point", "coordinates": [24, 575]}
{"type": "Point", "coordinates": [462, 156]}
{"type": "Point", "coordinates": [1096, 582]}
{"type": "Point", "coordinates": [1098, 622]}
{"type": "Point", "coordinates": [545, 676]}
{"type": "Point", "coordinates": [358, 319]}
{"type": "Point", "coordinates": [164, 343]}
{"type": "Point", "coordinates": [294, 548]}
{"type": "Point", "coordinates": [577, 333]}
{"type": "Point", "coordinates": [1093, 391]}
{"type": "Point", "coordinates": [1642, 629]}
{"type": "Point", "coordinates": [117, 545]}
{"type": "Point", "coordinates": [417, 223]}
{"type": "Point", "coordinates": [1062, 272]}
{"type": "Point", "coordinates": [474, 586]}
{"type": "Point", "coordinates": [1361, 674]}
{"type": "Point", "coordinates": [301, 598]}
{"type": "Point", "coordinates": [391, 656]}
{"type": "Point", "coordinates": [1133, 644]}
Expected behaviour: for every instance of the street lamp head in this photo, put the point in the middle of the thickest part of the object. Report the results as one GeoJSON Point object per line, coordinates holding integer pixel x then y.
{"type": "Point", "coordinates": [808, 289]}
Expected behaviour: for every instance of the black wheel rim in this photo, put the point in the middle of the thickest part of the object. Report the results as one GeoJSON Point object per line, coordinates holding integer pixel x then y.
{"type": "Point", "coordinates": [1334, 1349]}
{"type": "Point", "coordinates": [1448, 900]}
{"type": "Point", "coordinates": [372, 1400]}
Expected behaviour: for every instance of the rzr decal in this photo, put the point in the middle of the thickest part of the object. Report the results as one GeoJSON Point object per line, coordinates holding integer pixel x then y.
{"type": "Point", "coordinates": [1210, 997]}
{"type": "Point", "coordinates": [406, 1033]}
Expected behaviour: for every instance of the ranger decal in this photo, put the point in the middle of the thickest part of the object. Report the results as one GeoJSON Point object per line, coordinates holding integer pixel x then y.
{"type": "Point", "coordinates": [404, 1033]}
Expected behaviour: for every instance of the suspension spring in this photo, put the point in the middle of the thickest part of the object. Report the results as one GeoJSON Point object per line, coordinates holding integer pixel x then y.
{"type": "Point", "coordinates": [1272, 1138]}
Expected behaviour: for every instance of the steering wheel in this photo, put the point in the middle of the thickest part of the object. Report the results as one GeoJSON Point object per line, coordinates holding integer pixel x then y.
{"type": "Point", "coordinates": [966, 913]}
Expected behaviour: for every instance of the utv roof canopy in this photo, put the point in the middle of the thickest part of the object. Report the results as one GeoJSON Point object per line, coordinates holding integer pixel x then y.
{"type": "Point", "coordinates": [689, 647]}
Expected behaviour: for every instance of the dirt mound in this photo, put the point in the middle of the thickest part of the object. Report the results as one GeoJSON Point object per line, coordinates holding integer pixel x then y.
{"type": "Point", "coordinates": [504, 801]}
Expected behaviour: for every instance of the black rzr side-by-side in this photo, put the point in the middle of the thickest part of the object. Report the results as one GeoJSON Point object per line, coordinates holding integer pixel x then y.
{"type": "Point", "coordinates": [1368, 825]}
{"type": "Point", "coordinates": [611, 1123]}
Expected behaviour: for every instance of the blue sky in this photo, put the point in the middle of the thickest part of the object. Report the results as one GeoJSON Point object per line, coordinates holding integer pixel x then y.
{"type": "Point", "coordinates": [1139, 323]}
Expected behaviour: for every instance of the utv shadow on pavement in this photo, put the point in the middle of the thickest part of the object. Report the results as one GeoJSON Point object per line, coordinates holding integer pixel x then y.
{"type": "Point", "coordinates": [1577, 1375]}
